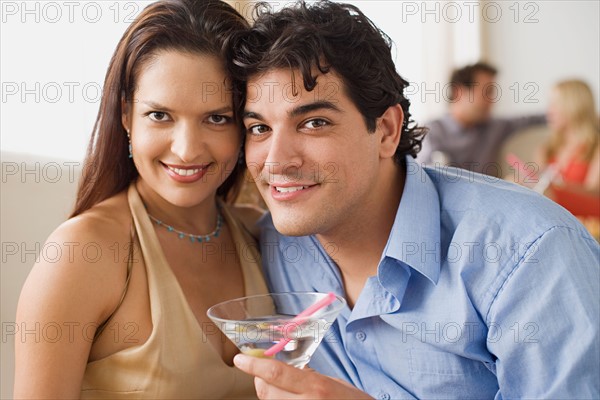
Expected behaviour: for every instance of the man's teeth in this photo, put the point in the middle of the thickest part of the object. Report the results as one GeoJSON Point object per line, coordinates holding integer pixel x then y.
{"type": "Point", "coordinates": [289, 189]}
{"type": "Point", "coordinates": [184, 172]}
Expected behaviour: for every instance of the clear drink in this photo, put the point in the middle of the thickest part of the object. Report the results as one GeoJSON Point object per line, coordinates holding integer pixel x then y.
{"type": "Point", "coordinates": [256, 323]}
{"type": "Point", "coordinates": [253, 339]}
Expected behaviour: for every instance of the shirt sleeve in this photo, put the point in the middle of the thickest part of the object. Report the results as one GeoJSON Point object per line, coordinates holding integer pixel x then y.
{"type": "Point", "coordinates": [543, 323]}
{"type": "Point", "coordinates": [514, 125]}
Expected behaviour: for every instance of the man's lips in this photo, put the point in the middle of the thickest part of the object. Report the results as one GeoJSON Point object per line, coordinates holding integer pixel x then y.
{"type": "Point", "coordinates": [290, 188]}
{"type": "Point", "coordinates": [290, 191]}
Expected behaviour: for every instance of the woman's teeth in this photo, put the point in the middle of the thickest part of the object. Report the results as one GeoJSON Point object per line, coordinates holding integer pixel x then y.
{"type": "Point", "coordinates": [184, 172]}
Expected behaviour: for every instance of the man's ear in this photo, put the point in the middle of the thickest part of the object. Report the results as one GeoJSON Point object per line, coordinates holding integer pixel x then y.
{"type": "Point", "coordinates": [389, 126]}
{"type": "Point", "coordinates": [125, 112]}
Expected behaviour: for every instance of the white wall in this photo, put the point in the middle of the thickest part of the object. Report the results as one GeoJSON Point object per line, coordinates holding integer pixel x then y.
{"type": "Point", "coordinates": [54, 57]}
{"type": "Point", "coordinates": [533, 43]}
{"type": "Point", "coordinates": [552, 40]}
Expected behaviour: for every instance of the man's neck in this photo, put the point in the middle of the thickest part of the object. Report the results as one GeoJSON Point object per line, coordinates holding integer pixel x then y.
{"type": "Point", "coordinates": [358, 249]}
{"type": "Point", "coordinates": [460, 118]}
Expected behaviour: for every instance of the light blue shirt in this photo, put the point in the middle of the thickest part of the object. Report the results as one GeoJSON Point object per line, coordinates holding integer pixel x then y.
{"type": "Point", "coordinates": [484, 290]}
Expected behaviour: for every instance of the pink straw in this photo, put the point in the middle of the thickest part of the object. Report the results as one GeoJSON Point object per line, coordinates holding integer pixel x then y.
{"type": "Point", "coordinates": [513, 160]}
{"type": "Point", "coordinates": [276, 348]}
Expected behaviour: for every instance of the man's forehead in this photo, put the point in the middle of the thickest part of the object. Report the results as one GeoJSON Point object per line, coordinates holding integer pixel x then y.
{"type": "Point", "coordinates": [274, 73]}
{"type": "Point", "coordinates": [288, 84]}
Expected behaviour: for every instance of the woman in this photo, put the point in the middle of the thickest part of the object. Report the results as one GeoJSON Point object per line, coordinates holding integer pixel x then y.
{"type": "Point", "coordinates": [571, 158]}
{"type": "Point", "coordinates": [574, 146]}
{"type": "Point", "coordinates": [125, 317]}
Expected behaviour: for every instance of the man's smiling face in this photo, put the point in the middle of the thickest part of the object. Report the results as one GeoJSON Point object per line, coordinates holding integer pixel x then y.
{"type": "Point", "coordinates": [310, 152]}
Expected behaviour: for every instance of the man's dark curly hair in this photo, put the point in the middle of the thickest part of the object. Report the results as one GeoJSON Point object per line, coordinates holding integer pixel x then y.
{"type": "Point", "coordinates": [330, 37]}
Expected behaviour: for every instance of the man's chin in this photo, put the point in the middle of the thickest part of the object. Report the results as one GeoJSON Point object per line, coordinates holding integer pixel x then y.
{"type": "Point", "coordinates": [287, 230]}
{"type": "Point", "coordinates": [289, 226]}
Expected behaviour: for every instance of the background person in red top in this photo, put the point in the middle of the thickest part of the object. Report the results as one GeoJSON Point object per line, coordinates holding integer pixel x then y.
{"type": "Point", "coordinates": [572, 153]}
{"type": "Point", "coordinates": [574, 145]}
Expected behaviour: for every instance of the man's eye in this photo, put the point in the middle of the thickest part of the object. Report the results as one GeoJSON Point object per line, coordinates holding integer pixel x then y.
{"type": "Point", "coordinates": [257, 129]}
{"type": "Point", "coordinates": [219, 119]}
{"type": "Point", "coordinates": [158, 116]}
{"type": "Point", "coordinates": [316, 123]}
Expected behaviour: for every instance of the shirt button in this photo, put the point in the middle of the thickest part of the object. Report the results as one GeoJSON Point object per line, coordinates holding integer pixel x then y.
{"type": "Point", "coordinates": [384, 396]}
{"type": "Point", "coordinates": [360, 335]}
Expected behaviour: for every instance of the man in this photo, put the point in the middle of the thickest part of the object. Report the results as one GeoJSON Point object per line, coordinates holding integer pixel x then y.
{"type": "Point", "coordinates": [468, 137]}
{"type": "Point", "coordinates": [456, 288]}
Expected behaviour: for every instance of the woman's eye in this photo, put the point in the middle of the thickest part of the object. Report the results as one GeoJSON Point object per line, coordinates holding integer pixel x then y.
{"type": "Point", "coordinates": [158, 116]}
{"type": "Point", "coordinates": [219, 119]}
{"type": "Point", "coordinates": [316, 123]}
{"type": "Point", "coordinates": [257, 129]}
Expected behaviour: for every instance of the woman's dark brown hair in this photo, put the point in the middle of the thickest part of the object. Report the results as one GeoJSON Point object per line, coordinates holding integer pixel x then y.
{"type": "Point", "coordinates": [197, 27]}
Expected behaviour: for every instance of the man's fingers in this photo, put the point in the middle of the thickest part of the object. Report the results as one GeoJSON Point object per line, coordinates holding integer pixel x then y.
{"type": "Point", "coordinates": [276, 380]}
{"type": "Point", "coordinates": [272, 372]}
{"type": "Point", "coordinates": [266, 391]}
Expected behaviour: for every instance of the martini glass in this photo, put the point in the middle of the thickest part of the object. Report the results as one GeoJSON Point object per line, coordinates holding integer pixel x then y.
{"type": "Point", "coordinates": [257, 323]}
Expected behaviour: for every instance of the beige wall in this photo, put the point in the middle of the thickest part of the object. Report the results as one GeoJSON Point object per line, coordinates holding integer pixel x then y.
{"type": "Point", "coordinates": [36, 196]}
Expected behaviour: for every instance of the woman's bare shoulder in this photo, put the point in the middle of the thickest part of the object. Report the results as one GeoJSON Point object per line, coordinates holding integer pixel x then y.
{"type": "Point", "coordinates": [106, 218]}
{"type": "Point", "coordinates": [74, 286]}
{"type": "Point", "coordinates": [81, 269]}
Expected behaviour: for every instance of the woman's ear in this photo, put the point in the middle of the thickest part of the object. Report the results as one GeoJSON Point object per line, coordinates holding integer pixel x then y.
{"type": "Point", "coordinates": [125, 114]}
{"type": "Point", "coordinates": [389, 126]}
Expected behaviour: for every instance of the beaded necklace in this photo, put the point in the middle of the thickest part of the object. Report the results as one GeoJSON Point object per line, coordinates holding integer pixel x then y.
{"type": "Point", "coordinates": [193, 238]}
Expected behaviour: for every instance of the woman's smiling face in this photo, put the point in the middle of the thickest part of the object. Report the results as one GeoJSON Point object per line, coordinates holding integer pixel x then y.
{"type": "Point", "coordinates": [184, 138]}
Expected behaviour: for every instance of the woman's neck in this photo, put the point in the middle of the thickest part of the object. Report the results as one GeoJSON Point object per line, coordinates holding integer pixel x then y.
{"type": "Point", "coordinates": [197, 219]}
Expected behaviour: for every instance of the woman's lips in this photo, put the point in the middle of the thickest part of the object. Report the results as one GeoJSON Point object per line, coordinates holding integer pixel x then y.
{"type": "Point", "coordinates": [186, 174]}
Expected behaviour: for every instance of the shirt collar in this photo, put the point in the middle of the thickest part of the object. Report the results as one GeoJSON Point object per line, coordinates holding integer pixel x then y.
{"type": "Point", "coordinates": [415, 236]}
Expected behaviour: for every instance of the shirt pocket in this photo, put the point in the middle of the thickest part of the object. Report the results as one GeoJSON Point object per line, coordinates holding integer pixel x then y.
{"type": "Point", "coordinates": [441, 375]}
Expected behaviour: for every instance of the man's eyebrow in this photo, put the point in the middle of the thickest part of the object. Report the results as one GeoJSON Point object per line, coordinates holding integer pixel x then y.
{"type": "Point", "coordinates": [301, 110]}
{"type": "Point", "coordinates": [317, 105]}
{"type": "Point", "coordinates": [251, 114]}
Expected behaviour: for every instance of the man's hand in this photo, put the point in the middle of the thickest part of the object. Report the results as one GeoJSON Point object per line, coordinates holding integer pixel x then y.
{"type": "Point", "coordinates": [276, 380]}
